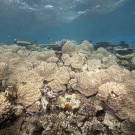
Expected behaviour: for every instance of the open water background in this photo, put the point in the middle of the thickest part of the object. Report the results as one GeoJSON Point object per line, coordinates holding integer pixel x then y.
{"type": "Point", "coordinates": [46, 21]}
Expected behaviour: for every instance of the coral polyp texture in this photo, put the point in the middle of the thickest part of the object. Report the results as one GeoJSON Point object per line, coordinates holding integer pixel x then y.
{"type": "Point", "coordinates": [65, 89]}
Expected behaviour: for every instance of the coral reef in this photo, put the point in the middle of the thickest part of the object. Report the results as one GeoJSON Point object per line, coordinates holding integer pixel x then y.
{"type": "Point", "coordinates": [67, 89]}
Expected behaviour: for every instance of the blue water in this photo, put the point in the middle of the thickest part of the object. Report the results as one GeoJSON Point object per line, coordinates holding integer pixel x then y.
{"type": "Point", "coordinates": [73, 19]}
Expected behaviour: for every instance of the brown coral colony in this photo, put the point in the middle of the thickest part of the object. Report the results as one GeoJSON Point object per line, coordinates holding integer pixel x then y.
{"type": "Point", "coordinates": [80, 90]}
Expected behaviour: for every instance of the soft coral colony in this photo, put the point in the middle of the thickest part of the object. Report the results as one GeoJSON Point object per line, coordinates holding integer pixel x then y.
{"type": "Point", "coordinates": [75, 90]}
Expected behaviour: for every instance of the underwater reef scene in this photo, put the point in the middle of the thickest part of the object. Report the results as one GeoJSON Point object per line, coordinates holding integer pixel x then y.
{"type": "Point", "coordinates": [67, 88]}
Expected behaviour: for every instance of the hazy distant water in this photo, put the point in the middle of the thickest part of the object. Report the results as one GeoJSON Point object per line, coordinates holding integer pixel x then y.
{"type": "Point", "coordinates": [96, 20]}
